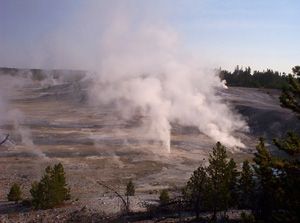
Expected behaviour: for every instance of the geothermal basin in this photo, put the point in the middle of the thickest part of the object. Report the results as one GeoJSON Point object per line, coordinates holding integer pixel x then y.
{"type": "Point", "coordinates": [51, 121]}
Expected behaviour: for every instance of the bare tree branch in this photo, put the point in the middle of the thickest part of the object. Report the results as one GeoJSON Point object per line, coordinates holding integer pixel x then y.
{"type": "Point", "coordinates": [118, 194]}
{"type": "Point", "coordinates": [4, 140]}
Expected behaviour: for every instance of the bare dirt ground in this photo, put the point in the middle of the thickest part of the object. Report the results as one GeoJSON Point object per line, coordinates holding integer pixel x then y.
{"type": "Point", "coordinates": [93, 143]}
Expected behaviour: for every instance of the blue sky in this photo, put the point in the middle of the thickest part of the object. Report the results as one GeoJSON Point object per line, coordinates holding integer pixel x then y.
{"type": "Point", "coordinates": [259, 33]}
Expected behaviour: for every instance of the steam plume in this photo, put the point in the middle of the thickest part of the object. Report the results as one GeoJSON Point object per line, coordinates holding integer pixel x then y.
{"type": "Point", "coordinates": [142, 68]}
{"type": "Point", "coordinates": [140, 65]}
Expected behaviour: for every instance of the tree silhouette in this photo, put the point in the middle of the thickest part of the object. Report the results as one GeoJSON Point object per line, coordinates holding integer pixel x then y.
{"type": "Point", "coordinates": [220, 172]}
{"type": "Point", "coordinates": [196, 190]}
{"type": "Point", "coordinates": [15, 193]}
{"type": "Point", "coordinates": [268, 182]}
{"type": "Point", "coordinates": [246, 186]}
{"type": "Point", "coordinates": [164, 197]}
{"type": "Point", "coordinates": [290, 97]}
{"type": "Point", "coordinates": [52, 189]}
{"type": "Point", "coordinates": [130, 190]}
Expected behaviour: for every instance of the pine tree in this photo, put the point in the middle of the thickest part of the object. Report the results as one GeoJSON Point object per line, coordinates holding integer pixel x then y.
{"type": "Point", "coordinates": [52, 190]}
{"type": "Point", "coordinates": [279, 178]}
{"type": "Point", "coordinates": [15, 193]}
{"type": "Point", "coordinates": [266, 201]}
{"type": "Point", "coordinates": [290, 168]}
{"type": "Point", "coordinates": [196, 190]}
{"type": "Point", "coordinates": [232, 181]}
{"type": "Point", "coordinates": [290, 143]}
{"type": "Point", "coordinates": [164, 197]}
{"type": "Point", "coordinates": [246, 186]}
{"type": "Point", "coordinates": [290, 97]}
{"type": "Point", "coordinates": [130, 190]}
{"type": "Point", "coordinates": [221, 175]}
{"type": "Point", "coordinates": [214, 187]}
{"type": "Point", "coordinates": [60, 189]}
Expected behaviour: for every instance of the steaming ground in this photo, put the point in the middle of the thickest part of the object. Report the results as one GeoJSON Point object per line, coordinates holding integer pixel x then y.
{"type": "Point", "coordinates": [94, 143]}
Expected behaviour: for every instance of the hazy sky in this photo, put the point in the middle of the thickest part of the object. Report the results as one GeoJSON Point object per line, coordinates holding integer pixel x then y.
{"type": "Point", "coordinates": [259, 33]}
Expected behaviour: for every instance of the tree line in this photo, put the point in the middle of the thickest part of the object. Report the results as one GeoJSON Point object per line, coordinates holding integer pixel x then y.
{"type": "Point", "coordinates": [269, 187]}
{"type": "Point", "coordinates": [244, 77]}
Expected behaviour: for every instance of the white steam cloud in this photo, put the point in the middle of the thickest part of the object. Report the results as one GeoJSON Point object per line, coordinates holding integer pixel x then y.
{"type": "Point", "coordinates": [142, 68]}
{"type": "Point", "coordinates": [149, 74]}
{"type": "Point", "coordinates": [140, 65]}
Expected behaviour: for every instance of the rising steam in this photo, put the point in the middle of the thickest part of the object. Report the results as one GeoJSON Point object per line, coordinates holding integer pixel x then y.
{"type": "Point", "coordinates": [140, 66]}
{"type": "Point", "coordinates": [13, 116]}
{"type": "Point", "coordinates": [148, 74]}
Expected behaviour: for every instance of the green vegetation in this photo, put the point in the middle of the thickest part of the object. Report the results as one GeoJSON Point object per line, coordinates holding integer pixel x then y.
{"type": "Point", "coordinates": [247, 218]}
{"type": "Point", "coordinates": [269, 188]}
{"type": "Point", "coordinates": [246, 187]}
{"type": "Point", "coordinates": [266, 192]}
{"type": "Point", "coordinates": [213, 187]}
{"type": "Point", "coordinates": [277, 195]}
{"type": "Point", "coordinates": [130, 189]}
{"type": "Point", "coordinates": [258, 79]}
{"type": "Point", "coordinates": [195, 191]}
{"type": "Point", "coordinates": [290, 143]}
{"type": "Point", "coordinates": [288, 170]}
{"type": "Point", "coordinates": [52, 189]}
{"type": "Point", "coordinates": [290, 97]}
{"type": "Point", "coordinates": [270, 191]}
{"type": "Point", "coordinates": [164, 197]}
{"type": "Point", "coordinates": [221, 174]}
{"type": "Point", "coordinates": [15, 193]}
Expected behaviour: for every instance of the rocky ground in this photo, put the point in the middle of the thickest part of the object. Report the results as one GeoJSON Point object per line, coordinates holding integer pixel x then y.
{"type": "Point", "coordinates": [100, 209]}
{"type": "Point", "coordinates": [75, 212]}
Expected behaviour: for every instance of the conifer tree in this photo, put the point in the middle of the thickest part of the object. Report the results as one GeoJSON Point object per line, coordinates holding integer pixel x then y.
{"type": "Point", "coordinates": [15, 193]}
{"type": "Point", "coordinates": [290, 97]}
{"type": "Point", "coordinates": [232, 182]}
{"type": "Point", "coordinates": [290, 168]}
{"type": "Point", "coordinates": [130, 189]}
{"type": "Point", "coordinates": [196, 190]}
{"type": "Point", "coordinates": [60, 190]}
{"type": "Point", "coordinates": [266, 201]}
{"type": "Point", "coordinates": [246, 186]}
{"type": "Point", "coordinates": [213, 188]}
{"type": "Point", "coordinates": [220, 172]}
{"type": "Point", "coordinates": [164, 197]}
{"type": "Point", "coordinates": [289, 144]}
{"type": "Point", "coordinates": [52, 189]}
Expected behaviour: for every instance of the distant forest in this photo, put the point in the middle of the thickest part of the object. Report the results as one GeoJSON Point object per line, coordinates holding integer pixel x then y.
{"type": "Point", "coordinates": [240, 77]}
{"type": "Point", "coordinates": [244, 77]}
